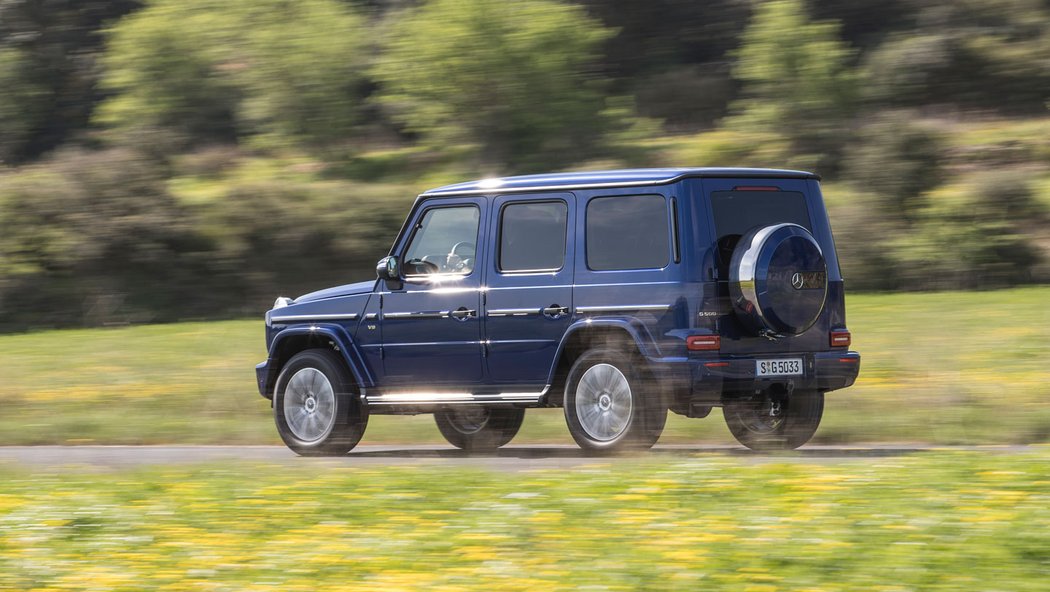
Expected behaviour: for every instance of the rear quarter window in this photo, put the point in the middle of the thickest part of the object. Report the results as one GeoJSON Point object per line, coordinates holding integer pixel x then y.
{"type": "Point", "coordinates": [628, 232]}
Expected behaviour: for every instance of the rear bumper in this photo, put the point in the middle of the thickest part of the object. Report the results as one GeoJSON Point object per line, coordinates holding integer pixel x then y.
{"type": "Point", "coordinates": [707, 380]}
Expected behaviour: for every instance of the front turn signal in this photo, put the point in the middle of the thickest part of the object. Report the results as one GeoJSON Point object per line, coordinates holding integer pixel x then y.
{"type": "Point", "coordinates": [841, 339]}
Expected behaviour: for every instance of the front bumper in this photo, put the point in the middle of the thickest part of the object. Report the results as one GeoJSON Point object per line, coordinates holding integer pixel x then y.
{"type": "Point", "coordinates": [262, 379]}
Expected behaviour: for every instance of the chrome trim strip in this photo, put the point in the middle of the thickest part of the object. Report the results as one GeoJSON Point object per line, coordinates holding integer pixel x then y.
{"type": "Point", "coordinates": [438, 343]}
{"type": "Point", "coordinates": [513, 312]}
{"type": "Point", "coordinates": [453, 398]}
{"type": "Point", "coordinates": [371, 316]}
{"type": "Point", "coordinates": [313, 317]}
{"type": "Point", "coordinates": [622, 308]}
{"type": "Point", "coordinates": [437, 314]}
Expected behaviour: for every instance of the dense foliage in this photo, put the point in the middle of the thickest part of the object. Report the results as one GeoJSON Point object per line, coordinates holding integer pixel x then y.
{"type": "Point", "coordinates": [167, 158]}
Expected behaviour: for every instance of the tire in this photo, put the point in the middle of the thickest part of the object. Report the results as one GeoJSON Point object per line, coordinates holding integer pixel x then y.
{"type": "Point", "coordinates": [606, 404]}
{"type": "Point", "coordinates": [766, 423]}
{"type": "Point", "coordinates": [314, 406]}
{"type": "Point", "coordinates": [476, 428]}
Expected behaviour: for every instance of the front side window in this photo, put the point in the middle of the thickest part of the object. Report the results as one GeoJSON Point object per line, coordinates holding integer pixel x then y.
{"type": "Point", "coordinates": [628, 232]}
{"type": "Point", "coordinates": [532, 236]}
{"type": "Point", "coordinates": [444, 242]}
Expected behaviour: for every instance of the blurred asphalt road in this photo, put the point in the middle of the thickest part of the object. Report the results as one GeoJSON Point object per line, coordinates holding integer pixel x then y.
{"type": "Point", "coordinates": [511, 458]}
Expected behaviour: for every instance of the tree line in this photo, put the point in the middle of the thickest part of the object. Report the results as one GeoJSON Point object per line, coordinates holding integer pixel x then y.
{"type": "Point", "coordinates": [172, 159]}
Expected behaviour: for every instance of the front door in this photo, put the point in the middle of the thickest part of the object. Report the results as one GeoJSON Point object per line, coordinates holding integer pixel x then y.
{"type": "Point", "coordinates": [431, 327]}
{"type": "Point", "coordinates": [530, 275]}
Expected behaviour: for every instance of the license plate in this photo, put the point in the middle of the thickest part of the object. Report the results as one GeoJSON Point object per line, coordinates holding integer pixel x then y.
{"type": "Point", "coordinates": [784, 367]}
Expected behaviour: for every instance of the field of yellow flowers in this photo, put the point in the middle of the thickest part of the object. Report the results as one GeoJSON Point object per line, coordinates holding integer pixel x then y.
{"type": "Point", "coordinates": [928, 521]}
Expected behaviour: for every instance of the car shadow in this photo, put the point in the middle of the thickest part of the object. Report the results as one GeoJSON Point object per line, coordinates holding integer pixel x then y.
{"type": "Point", "coordinates": [671, 451]}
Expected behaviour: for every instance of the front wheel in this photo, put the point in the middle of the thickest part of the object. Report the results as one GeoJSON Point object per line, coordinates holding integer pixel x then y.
{"type": "Point", "coordinates": [606, 406]}
{"type": "Point", "coordinates": [773, 421]}
{"type": "Point", "coordinates": [314, 407]}
{"type": "Point", "coordinates": [471, 427]}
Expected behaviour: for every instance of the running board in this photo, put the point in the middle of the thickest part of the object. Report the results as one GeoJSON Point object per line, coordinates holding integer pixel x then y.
{"type": "Point", "coordinates": [440, 398]}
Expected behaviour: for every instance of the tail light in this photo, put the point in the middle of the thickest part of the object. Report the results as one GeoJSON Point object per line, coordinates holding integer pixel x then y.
{"type": "Point", "coordinates": [703, 343]}
{"type": "Point", "coordinates": [841, 338]}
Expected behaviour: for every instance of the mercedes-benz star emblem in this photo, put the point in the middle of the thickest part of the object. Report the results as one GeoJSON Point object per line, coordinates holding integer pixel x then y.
{"type": "Point", "coordinates": [797, 281]}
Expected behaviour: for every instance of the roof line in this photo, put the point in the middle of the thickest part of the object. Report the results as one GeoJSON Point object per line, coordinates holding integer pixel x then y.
{"type": "Point", "coordinates": [683, 175]}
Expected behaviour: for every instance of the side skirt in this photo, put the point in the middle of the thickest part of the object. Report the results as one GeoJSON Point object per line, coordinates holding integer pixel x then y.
{"type": "Point", "coordinates": [408, 402]}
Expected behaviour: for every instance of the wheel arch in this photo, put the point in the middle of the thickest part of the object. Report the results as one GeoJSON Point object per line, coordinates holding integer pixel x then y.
{"type": "Point", "coordinates": [590, 333]}
{"type": "Point", "coordinates": [298, 338]}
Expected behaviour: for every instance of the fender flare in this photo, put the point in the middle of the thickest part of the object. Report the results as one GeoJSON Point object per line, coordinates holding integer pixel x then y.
{"type": "Point", "coordinates": [326, 332]}
{"type": "Point", "coordinates": [637, 331]}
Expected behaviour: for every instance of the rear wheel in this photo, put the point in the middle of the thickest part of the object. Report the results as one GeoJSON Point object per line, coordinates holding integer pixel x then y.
{"type": "Point", "coordinates": [775, 422]}
{"type": "Point", "coordinates": [472, 427]}
{"type": "Point", "coordinates": [314, 405]}
{"type": "Point", "coordinates": [606, 406]}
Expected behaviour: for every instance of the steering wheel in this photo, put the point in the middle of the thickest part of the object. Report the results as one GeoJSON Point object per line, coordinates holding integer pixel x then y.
{"type": "Point", "coordinates": [456, 262]}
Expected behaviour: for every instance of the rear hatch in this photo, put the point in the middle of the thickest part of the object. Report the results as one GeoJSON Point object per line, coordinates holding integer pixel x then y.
{"type": "Point", "coordinates": [736, 208]}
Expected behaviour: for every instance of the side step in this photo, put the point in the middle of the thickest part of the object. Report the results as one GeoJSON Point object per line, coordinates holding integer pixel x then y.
{"type": "Point", "coordinates": [432, 399]}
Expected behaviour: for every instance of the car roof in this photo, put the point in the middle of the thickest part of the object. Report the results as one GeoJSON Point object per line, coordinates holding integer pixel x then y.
{"type": "Point", "coordinates": [613, 178]}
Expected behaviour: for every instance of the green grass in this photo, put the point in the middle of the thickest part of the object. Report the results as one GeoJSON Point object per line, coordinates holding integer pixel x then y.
{"type": "Point", "coordinates": [936, 521]}
{"type": "Point", "coordinates": [946, 368]}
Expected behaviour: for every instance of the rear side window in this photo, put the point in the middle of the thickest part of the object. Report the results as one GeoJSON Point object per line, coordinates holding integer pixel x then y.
{"type": "Point", "coordinates": [628, 232]}
{"type": "Point", "coordinates": [532, 236]}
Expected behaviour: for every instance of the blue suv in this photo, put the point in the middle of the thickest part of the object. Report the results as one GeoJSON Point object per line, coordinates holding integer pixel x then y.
{"type": "Point", "coordinates": [617, 295]}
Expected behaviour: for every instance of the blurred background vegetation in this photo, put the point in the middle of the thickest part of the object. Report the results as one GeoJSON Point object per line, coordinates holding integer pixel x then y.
{"type": "Point", "coordinates": [182, 159]}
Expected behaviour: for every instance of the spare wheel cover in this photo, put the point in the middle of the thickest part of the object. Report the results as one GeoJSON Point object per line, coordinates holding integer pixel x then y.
{"type": "Point", "coordinates": [778, 279]}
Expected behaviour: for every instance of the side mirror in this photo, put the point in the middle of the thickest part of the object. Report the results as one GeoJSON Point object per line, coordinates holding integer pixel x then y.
{"type": "Point", "coordinates": [389, 269]}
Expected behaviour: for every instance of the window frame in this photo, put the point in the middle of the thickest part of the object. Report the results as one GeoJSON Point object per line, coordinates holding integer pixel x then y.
{"type": "Point", "coordinates": [499, 237]}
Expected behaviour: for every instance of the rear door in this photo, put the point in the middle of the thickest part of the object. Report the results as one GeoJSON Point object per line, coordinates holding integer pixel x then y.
{"type": "Point", "coordinates": [529, 278]}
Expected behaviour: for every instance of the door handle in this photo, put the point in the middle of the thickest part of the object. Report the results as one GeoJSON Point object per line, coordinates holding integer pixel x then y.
{"type": "Point", "coordinates": [555, 311]}
{"type": "Point", "coordinates": [463, 313]}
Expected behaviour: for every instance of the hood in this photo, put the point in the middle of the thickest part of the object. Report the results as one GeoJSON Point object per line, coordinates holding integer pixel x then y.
{"type": "Point", "coordinates": [347, 290]}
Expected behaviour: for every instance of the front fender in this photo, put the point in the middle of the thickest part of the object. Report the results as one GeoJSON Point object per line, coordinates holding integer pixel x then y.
{"type": "Point", "coordinates": [296, 338]}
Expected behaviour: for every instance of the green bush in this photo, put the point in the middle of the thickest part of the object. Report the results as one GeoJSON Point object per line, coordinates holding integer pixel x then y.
{"type": "Point", "coordinates": [989, 54]}
{"type": "Point", "coordinates": [797, 81]}
{"type": "Point", "coordinates": [974, 234]}
{"type": "Point", "coordinates": [218, 71]}
{"type": "Point", "coordinates": [20, 107]}
{"type": "Point", "coordinates": [94, 238]}
{"type": "Point", "coordinates": [514, 80]}
{"type": "Point", "coordinates": [897, 161]}
{"type": "Point", "coordinates": [274, 237]}
{"type": "Point", "coordinates": [863, 239]}
{"type": "Point", "coordinates": [729, 147]}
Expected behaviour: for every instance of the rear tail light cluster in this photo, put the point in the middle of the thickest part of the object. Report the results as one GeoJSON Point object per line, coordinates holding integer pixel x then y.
{"type": "Point", "coordinates": [703, 343]}
{"type": "Point", "coordinates": [841, 338]}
